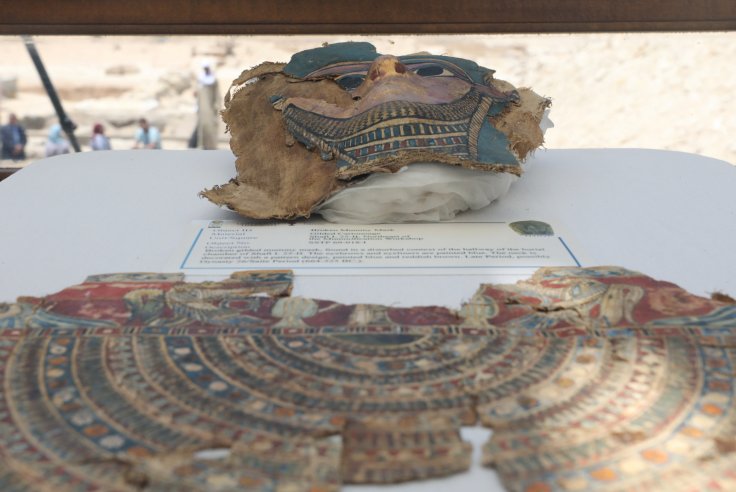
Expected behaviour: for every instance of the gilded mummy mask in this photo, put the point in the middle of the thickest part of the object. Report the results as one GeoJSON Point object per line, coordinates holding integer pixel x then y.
{"type": "Point", "coordinates": [326, 130]}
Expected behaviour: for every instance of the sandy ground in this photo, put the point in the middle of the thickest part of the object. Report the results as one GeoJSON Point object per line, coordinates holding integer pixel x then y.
{"type": "Point", "coordinates": [665, 91]}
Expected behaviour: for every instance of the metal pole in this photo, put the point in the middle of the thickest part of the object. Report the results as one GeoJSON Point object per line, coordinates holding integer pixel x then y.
{"type": "Point", "coordinates": [66, 123]}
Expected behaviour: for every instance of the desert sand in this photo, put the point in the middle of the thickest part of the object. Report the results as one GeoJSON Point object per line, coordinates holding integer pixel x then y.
{"type": "Point", "coordinates": [664, 91]}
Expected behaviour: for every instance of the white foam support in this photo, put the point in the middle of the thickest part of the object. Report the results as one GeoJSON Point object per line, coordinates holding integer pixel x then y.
{"type": "Point", "coordinates": [423, 192]}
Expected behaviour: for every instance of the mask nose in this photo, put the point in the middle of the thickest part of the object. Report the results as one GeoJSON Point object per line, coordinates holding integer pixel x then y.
{"type": "Point", "coordinates": [386, 66]}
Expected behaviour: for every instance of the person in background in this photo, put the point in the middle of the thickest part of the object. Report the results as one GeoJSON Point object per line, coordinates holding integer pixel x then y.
{"type": "Point", "coordinates": [13, 140]}
{"type": "Point", "coordinates": [147, 136]}
{"type": "Point", "coordinates": [208, 108]}
{"type": "Point", "coordinates": [99, 141]}
{"type": "Point", "coordinates": [55, 143]}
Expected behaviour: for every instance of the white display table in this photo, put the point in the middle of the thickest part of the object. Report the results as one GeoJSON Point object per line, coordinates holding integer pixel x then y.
{"type": "Point", "coordinates": [669, 215]}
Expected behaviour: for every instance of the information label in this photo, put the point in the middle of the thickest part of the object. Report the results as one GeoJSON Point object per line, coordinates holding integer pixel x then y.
{"type": "Point", "coordinates": [323, 248]}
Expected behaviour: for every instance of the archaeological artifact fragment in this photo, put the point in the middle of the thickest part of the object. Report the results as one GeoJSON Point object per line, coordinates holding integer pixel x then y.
{"type": "Point", "coordinates": [590, 378]}
{"type": "Point", "coordinates": [361, 137]}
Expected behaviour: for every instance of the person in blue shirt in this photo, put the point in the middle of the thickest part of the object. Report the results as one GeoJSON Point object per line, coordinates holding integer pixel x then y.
{"type": "Point", "coordinates": [147, 136]}
{"type": "Point", "coordinates": [13, 140]}
{"type": "Point", "coordinates": [56, 144]}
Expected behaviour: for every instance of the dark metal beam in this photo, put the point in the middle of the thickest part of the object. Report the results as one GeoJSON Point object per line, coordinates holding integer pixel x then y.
{"type": "Point", "coordinates": [368, 16]}
{"type": "Point", "coordinates": [66, 123]}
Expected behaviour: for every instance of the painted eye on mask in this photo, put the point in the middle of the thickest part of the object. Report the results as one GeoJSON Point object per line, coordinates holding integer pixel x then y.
{"type": "Point", "coordinates": [350, 81]}
{"type": "Point", "coordinates": [432, 70]}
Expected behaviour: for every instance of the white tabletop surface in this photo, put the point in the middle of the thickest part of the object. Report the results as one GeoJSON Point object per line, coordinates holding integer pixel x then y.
{"type": "Point", "coordinates": [667, 214]}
